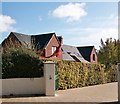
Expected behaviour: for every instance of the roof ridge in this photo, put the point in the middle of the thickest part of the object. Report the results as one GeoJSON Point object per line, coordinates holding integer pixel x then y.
{"type": "Point", "coordinates": [44, 34]}
{"type": "Point", "coordinates": [85, 46]}
{"type": "Point", "coordinates": [16, 33]}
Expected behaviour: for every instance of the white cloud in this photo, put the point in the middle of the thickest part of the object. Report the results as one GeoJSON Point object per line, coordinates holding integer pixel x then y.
{"type": "Point", "coordinates": [71, 11]}
{"type": "Point", "coordinates": [111, 20]}
{"type": "Point", "coordinates": [6, 23]}
{"type": "Point", "coordinates": [91, 36]}
{"type": "Point", "coordinates": [99, 27]}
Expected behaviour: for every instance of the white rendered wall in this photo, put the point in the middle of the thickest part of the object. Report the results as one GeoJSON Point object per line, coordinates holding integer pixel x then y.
{"type": "Point", "coordinates": [23, 86]}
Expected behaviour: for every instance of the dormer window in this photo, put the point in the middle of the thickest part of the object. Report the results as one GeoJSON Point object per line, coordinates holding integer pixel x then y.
{"type": "Point", "coordinates": [69, 52]}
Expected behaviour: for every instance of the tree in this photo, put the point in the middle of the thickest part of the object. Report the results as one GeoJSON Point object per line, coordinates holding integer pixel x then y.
{"type": "Point", "coordinates": [109, 52]}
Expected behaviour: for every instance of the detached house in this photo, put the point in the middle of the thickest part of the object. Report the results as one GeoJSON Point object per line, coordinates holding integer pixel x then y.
{"type": "Point", "coordinates": [89, 53]}
{"type": "Point", "coordinates": [48, 44]}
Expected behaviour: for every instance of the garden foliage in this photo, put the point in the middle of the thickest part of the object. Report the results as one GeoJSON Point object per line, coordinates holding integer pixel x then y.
{"type": "Point", "coordinates": [21, 63]}
{"type": "Point", "coordinates": [76, 74]}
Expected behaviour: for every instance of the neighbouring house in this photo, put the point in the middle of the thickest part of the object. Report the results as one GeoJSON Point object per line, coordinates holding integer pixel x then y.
{"type": "Point", "coordinates": [89, 53]}
{"type": "Point", "coordinates": [71, 53]}
{"type": "Point", "coordinates": [49, 45]}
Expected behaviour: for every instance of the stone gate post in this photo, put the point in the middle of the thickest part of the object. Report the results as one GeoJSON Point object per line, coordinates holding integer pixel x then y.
{"type": "Point", "coordinates": [49, 74]}
{"type": "Point", "coordinates": [119, 82]}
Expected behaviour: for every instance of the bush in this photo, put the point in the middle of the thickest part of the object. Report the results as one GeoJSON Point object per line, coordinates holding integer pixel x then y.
{"type": "Point", "coordinates": [76, 74]}
{"type": "Point", "coordinates": [111, 74]}
{"type": "Point", "coordinates": [21, 63]}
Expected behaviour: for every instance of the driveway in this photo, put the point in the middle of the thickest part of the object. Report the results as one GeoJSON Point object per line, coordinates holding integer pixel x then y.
{"type": "Point", "coordinates": [98, 93]}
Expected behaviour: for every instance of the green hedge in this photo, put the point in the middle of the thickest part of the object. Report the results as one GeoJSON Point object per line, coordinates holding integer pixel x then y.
{"type": "Point", "coordinates": [76, 74]}
{"type": "Point", "coordinates": [111, 74]}
{"type": "Point", "coordinates": [21, 63]}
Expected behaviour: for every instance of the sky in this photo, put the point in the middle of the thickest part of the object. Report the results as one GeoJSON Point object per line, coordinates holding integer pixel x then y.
{"type": "Point", "coordinates": [79, 23]}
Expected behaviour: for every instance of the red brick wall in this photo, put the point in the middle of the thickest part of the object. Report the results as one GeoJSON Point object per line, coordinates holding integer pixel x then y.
{"type": "Point", "coordinates": [11, 41]}
{"type": "Point", "coordinates": [91, 56]}
{"type": "Point", "coordinates": [53, 42]}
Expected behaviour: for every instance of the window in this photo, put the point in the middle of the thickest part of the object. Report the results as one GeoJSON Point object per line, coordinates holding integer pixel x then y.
{"type": "Point", "coordinates": [69, 52]}
{"type": "Point", "coordinates": [53, 49]}
{"type": "Point", "coordinates": [93, 57]}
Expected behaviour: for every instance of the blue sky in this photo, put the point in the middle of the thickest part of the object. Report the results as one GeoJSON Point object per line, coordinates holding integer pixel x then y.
{"type": "Point", "coordinates": [79, 23]}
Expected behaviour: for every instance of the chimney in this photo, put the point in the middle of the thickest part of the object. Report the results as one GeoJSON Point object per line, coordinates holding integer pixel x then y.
{"type": "Point", "coordinates": [60, 38]}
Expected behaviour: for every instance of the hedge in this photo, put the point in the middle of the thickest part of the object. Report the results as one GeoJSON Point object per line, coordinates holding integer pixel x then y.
{"type": "Point", "coordinates": [21, 63]}
{"type": "Point", "coordinates": [76, 74]}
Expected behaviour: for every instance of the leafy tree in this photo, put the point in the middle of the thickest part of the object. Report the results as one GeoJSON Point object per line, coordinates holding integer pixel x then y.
{"type": "Point", "coordinates": [109, 52]}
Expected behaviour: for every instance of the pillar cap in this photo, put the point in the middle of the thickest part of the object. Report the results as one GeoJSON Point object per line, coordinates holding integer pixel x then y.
{"type": "Point", "coordinates": [48, 62]}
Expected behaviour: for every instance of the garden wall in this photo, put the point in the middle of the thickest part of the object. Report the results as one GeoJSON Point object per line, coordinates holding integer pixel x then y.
{"type": "Point", "coordinates": [23, 86]}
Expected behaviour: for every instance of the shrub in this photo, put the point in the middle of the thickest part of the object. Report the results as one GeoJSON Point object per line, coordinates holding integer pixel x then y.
{"type": "Point", "coordinates": [21, 63]}
{"type": "Point", "coordinates": [111, 74]}
{"type": "Point", "coordinates": [76, 74]}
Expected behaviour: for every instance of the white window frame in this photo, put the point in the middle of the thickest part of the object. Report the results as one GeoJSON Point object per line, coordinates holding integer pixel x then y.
{"type": "Point", "coordinates": [53, 49]}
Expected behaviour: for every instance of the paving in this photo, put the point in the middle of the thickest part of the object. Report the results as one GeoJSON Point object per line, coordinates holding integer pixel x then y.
{"type": "Point", "coordinates": [98, 93]}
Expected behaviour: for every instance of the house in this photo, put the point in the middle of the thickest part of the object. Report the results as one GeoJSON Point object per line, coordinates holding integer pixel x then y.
{"type": "Point", "coordinates": [71, 53]}
{"type": "Point", "coordinates": [89, 53]}
{"type": "Point", "coordinates": [48, 44]}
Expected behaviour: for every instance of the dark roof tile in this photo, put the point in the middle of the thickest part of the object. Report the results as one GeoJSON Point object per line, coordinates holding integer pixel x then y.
{"type": "Point", "coordinates": [86, 51]}
{"type": "Point", "coordinates": [42, 40]}
{"type": "Point", "coordinates": [24, 39]}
